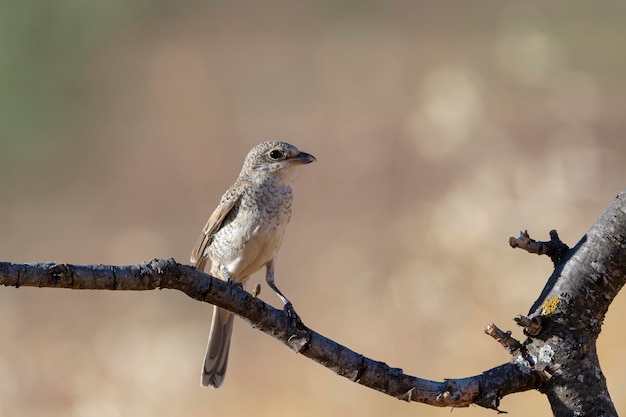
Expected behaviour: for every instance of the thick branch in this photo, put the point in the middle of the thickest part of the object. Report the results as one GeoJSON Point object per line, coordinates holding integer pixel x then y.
{"type": "Point", "coordinates": [484, 390]}
{"type": "Point", "coordinates": [566, 319]}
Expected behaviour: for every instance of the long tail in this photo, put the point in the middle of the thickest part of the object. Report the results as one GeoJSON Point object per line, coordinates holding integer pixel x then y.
{"type": "Point", "coordinates": [217, 348]}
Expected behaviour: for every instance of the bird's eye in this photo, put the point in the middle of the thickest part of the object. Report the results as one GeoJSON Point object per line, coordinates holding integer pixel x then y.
{"type": "Point", "coordinates": [276, 154]}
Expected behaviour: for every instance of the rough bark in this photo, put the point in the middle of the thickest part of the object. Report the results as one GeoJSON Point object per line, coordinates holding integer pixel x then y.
{"type": "Point", "coordinates": [569, 313]}
{"type": "Point", "coordinates": [558, 358]}
{"type": "Point", "coordinates": [485, 389]}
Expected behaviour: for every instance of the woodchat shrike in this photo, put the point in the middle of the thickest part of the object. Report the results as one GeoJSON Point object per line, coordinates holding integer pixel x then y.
{"type": "Point", "coordinates": [244, 233]}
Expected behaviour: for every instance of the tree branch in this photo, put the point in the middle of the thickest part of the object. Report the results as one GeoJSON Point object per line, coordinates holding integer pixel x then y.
{"type": "Point", "coordinates": [559, 356]}
{"type": "Point", "coordinates": [565, 321]}
{"type": "Point", "coordinates": [555, 249]}
{"type": "Point", "coordinates": [484, 390]}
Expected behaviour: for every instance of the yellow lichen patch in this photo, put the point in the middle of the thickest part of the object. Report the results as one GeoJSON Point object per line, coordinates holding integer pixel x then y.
{"type": "Point", "coordinates": [549, 306]}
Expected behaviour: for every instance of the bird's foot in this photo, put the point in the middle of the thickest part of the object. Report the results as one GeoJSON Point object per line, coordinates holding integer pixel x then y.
{"type": "Point", "coordinates": [291, 314]}
{"type": "Point", "coordinates": [229, 279]}
{"type": "Point", "coordinates": [239, 285]}
{"type": "Point", "coordinates": [301, 335]}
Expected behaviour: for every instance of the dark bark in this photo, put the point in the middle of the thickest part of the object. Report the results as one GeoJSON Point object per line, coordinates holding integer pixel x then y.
{"type": "Point", "coordinates": [559, 356]}
{"type": "Point", "coordinates": [569, 314]}
{"type": "Point", "coordinates": [485, 390]}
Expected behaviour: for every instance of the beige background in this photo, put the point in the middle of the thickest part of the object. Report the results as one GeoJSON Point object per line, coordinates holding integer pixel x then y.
{"type": "Point", "coordinates": [440, 131]}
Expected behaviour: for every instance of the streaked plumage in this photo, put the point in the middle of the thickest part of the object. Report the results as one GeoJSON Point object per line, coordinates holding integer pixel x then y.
{"type": "Point", "coordinates": [244, 233]}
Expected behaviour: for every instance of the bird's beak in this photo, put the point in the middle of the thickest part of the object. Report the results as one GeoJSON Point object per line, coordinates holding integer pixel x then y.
{"type": "Point", "coordinates": [304, 158]}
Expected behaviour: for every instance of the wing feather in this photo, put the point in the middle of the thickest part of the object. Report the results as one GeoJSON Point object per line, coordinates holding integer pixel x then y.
{"type": "Point", "coordinates": [229, 200]}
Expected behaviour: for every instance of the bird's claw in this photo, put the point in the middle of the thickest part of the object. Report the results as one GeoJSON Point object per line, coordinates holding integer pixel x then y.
{"type": "Point", "coordinates": [229, 279]}
{"type": "Point", "coordinates": [234, 283]}
{"type": "Point", "coordinates": [290, 313]}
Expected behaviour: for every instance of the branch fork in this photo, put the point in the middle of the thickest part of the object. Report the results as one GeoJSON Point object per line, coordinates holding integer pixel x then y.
{"type": "Point", "coordinates": [554, 248]}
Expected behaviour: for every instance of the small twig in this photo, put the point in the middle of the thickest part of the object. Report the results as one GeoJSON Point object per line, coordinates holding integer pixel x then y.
{"type": "Point", "coordinates": [510, 343]}
{"type": "Point", "coordinates": [532, 325]}
{"type": "Point", "coordinates": [554, 248]}
{"type": "Point", "coordinates": [517, 349]}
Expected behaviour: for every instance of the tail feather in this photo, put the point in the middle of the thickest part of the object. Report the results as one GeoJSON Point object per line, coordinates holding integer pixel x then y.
{"type": "Point", "coordinates": [217, 348]}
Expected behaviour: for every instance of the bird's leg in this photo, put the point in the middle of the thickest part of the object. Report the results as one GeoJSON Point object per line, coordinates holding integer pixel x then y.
{"type": "Point", "coordinates": [226, 276]}
{"type": "Point", "coordinates": [269, 278]}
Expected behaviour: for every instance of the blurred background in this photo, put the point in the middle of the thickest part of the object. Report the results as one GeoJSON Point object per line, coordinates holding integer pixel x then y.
{"type": "Point", "coordinates": [440, 130]}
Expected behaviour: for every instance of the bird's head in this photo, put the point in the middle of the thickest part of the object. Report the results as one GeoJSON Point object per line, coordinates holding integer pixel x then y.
{"type": "Point", "coordinates": [276, 160]}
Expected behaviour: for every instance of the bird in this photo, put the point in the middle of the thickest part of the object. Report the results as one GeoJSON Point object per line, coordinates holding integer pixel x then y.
{"type": "Point", "coordinates": [244, 234]}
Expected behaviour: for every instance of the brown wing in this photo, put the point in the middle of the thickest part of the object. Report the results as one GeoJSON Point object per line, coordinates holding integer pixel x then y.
{"type": "Point", "coordinates": [229, 199]}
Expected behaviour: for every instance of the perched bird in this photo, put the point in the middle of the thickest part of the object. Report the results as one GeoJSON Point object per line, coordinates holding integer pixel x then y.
{"type": "Point", "coordinates": [244, 234]}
